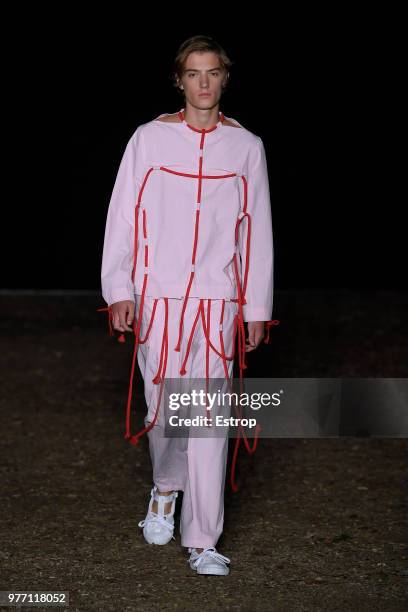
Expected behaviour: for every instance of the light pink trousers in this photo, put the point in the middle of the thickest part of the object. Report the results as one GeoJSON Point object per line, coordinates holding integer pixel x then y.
{"type": "Point", "coordinates": [194, 465]}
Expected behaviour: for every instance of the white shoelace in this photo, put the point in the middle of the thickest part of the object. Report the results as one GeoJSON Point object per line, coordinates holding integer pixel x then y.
{"type": "Point", "coordinates": [210, 552]}
{"type": "Point", "coordinates": [159, 520]}
{"type": "Point", "coordinates": [154, 519]}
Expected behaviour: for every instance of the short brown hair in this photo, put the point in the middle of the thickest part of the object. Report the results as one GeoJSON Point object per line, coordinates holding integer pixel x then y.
{"type": "Point", "coordinates": [199, 43]}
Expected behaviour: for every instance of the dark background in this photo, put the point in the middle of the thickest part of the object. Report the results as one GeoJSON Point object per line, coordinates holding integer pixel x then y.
{"type": "Point", "coordinates": [323, 89]}
{"type": "Point", "coordinates": [321, 94]}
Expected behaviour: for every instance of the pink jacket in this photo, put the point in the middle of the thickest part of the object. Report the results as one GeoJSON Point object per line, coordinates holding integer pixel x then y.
{"type": "Point", "coordinates": [189, 214]}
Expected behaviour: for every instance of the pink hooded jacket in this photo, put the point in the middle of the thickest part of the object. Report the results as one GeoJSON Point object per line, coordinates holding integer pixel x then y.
{"type": "Point", "coordinates": [193, 187]}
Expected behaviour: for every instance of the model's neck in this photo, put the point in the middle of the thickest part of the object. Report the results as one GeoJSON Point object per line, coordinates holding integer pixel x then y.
{"type": "Point", "coordinates": [200, 118]}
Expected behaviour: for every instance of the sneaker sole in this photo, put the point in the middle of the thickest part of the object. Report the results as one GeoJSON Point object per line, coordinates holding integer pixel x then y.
{"type": "Point", "coordinates": [157, 543]}
{"type": "Point", "coordinates": [212, 570]}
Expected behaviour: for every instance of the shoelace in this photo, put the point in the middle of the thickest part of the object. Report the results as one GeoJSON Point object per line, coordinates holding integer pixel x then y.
{"type": "Point", "coordinates": [153, 518]}
{"type": "Point", "coordinates": [160, 520]}
{"type": "Point", "coordinates": [211, 552]}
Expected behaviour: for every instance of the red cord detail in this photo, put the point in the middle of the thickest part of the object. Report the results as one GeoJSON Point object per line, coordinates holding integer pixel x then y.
{"type": "Point", "coordinates": [140, 313]}
{"type": "Point", "coordinates": [238, 331]}
{"type": "Point", "coordinates": [207, 356]}
{"type": "Point", "coordinates": [108, 310]}
{"type": "Point", "coordinates": [135, 438]}
{"type": "Point", "coordinates": [196, 225]}
{"type": "Point", "coordinates": [268, 325]}
{"type": "Point", "coordinates": [195, 176]}
{"type": "Point", "coordinates": [222, 353]}
{"type": "Point", "coordinates": [190, 339]}
{"type": "Point", "coordinates": [203, 131]}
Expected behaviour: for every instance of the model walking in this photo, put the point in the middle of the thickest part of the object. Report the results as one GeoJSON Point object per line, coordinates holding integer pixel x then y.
{"type": "Point", "coordinates": [187, 259]}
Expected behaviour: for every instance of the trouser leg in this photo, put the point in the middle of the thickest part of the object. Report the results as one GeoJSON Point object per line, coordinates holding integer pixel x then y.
{"type": "Point", "coordinates": [194, 465]}
{"type": "Point", "coordinates": [202, 515]}
{"type": "Point", "coordinates": [168, 455]}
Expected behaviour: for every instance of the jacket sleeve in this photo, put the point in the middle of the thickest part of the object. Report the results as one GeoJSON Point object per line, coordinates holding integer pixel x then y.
{"type": "Point", "coordinates": [259, 289]}
{"type": "Point", "coordinates": [118, 247]}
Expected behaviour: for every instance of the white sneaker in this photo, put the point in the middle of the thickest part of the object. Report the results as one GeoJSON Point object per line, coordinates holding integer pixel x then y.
{"type": "Point", "coordinates": [209, 561]}
{"type": "Point", "coordinates": [158, 527]}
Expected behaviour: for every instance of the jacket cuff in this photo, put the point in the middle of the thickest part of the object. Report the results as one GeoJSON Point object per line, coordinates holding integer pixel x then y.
{"type": "Point", "coordinates": [120, 294]}
{"type": "Point", "coordinates": [256, 314]}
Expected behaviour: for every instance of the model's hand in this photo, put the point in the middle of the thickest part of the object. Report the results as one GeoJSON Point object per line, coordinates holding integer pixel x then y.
{"type": "Point", "coordinates": [123, 313]}
{"type": "Point", "coordinates": [256, 332]}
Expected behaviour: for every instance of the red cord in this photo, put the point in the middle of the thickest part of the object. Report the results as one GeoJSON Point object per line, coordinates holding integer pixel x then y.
{"type": "Point", "coordinates": [238, 329]}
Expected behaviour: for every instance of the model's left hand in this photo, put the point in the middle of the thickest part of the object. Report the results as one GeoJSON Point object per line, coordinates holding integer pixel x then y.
{"type": "Point", "coordinates": [256, 332]}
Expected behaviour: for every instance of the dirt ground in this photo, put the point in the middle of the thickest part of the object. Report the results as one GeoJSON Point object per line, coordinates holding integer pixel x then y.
{"type": "Point", "coordinates": [317, 524]}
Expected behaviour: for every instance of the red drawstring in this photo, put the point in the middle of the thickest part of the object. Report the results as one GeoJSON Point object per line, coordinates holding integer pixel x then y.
{"type": "Point", "coordinates": [135, 439]}
{"type": "Point", "coordinates": [268, 325]}
{"type": "Point", "coordinates": [238, 329]}
{"type": "Point", "coordinates": [190, 339]}
{"type": "Point", "coordinates": [108, 310]}
{"type": "Point", "coordinates": [157, 378]}
{"type": "Point", "coordinates": [207, 357]}
{"type": "Point", "coordinates": [139, 322]}
{"type": "Point", "coordinates": [196, 225]}
{"type": "Point", "coordinates": [220, 354]}
{"type": "Point", "coordinates": [242, 364]}
{"type": "Point", "coordinates": [203, 131]}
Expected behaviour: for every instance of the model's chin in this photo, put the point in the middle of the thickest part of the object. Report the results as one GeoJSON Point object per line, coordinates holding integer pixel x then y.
{"type": "Point", "coordinates": [206, 101]}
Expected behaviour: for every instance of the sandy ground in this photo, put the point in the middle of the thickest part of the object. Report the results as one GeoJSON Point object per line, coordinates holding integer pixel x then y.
{"type": "Point", "coordinates": [317, 524]}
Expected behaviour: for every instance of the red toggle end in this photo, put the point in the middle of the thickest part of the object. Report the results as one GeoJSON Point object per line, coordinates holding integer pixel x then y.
{"type": "Point", "coordinates": [252, 450]}
{"type": "Point", "coordinates": [268, 325]}
{"type": "Point", "coordinates": [121, 338]}
{"type": "Point", "coordinates": [183, 371]}
{"type": "Point", "coordinates": [177, 348]}
{"type": "Point", "coordinates": [108, 310]}
{"type": "Point", "coordinates": [156, 380]}
{"type": "Point", "coordinates": [133, 439]}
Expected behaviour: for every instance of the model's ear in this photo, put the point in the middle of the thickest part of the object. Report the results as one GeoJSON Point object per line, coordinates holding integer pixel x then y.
{"type": "Point", "coordinates": [178, 82]}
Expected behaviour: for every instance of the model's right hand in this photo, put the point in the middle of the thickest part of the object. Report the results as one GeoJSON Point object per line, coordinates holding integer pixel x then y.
{"type": "Point", "coordinates": [123, 313]}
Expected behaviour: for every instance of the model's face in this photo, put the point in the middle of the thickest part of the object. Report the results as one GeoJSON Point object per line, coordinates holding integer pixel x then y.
{"type": "Point", "coordinates": [203, 74]}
